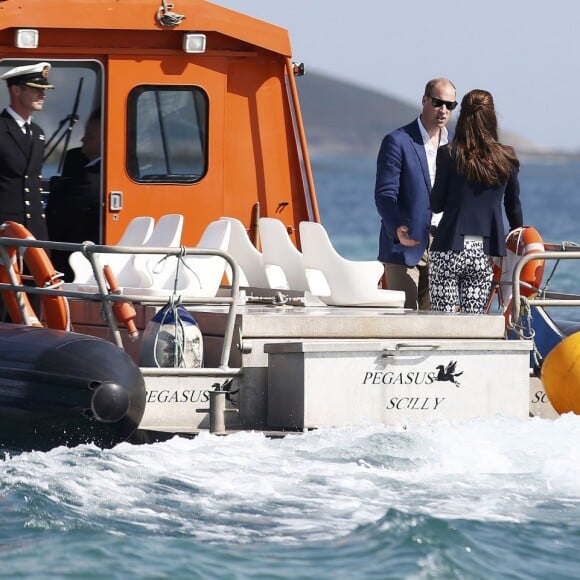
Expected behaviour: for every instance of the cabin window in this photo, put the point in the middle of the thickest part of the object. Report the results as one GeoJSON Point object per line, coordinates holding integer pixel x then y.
{"type": "Point", "coordinates": [167, 134]}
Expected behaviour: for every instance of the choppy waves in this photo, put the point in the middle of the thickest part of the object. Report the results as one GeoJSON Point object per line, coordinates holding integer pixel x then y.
{"type": "Point", "coordinates": [439, 500]}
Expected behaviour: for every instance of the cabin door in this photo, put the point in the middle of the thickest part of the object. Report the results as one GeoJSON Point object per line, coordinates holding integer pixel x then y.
{"type": "Point", "coordinates": [158, 136]}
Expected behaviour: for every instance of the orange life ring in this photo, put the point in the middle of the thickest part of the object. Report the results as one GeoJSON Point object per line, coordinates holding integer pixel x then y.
{"type": "Point", "coordinates": [55, 307]}
{"type": "Point", "coordinates": [124, 311]}
{"type": "Point", "coordinates": [523, 241]}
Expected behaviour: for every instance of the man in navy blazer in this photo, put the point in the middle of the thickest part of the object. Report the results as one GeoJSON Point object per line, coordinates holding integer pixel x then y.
{"type": "Point", "coordinates": [405, 176]}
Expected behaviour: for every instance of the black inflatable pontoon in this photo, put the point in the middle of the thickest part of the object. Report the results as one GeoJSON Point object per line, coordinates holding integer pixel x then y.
{"type": "Point", "coordinates": [61, 388]}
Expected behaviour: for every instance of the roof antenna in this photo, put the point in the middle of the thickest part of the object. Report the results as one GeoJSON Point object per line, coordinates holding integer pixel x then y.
{"type": "Point", "coordinates": [167, 18]}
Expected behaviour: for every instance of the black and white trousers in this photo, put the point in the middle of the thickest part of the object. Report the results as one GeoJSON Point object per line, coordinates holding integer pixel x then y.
{"type": "Point", "coordinates": [460, 281]}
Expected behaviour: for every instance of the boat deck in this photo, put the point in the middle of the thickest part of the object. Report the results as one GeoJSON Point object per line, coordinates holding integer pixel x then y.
{"type": "Point", "coordinates": [353, 323]}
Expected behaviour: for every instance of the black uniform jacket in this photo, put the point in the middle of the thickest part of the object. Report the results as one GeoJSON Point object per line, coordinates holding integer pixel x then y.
{"type": "Point", "coordinates": [20, 176]}
{"type": "Point", "coordinates": [73, 206]}
{"type": "Point", "coordinates": [73, 212]}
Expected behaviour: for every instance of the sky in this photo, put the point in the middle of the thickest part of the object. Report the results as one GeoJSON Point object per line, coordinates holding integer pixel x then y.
{"type": "Point", "coordinates": [525, 52]}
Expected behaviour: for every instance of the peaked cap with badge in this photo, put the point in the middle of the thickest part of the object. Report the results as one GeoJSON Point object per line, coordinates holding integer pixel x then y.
{"type": "Point", "coordinates": [30, 75]}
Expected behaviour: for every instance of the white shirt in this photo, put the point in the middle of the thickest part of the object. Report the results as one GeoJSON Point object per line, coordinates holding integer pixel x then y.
{"type": "Point", "coordinates": [431, 153]}
{"type": "Point", "coordinates": [21, 122]}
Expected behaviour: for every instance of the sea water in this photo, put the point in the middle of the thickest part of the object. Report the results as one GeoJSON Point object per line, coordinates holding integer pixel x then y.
{"type": "Point", "coordinates": [493, 498]}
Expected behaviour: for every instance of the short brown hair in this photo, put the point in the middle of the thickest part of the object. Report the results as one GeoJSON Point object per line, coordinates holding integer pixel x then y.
{"type": "Point", "coordinates": [434, 82]}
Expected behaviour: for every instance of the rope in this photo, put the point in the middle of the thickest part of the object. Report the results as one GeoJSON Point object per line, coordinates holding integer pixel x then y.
{"type": "Point", "coordinates": [547, 284]}
{"type": "Point", "coordinates": [563, 246]}
{"type": "Point", "coordinates": [527, 332]}
{"type": "Point", "coordinates": [525, 329]}
{"type": "Point", "coordinates": [180, 262]}
{"type": "Point", "coordinates": [172, 307]}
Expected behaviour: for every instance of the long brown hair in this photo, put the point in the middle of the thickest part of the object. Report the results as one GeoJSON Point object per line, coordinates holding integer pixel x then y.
{"type": "Point", "coordinates": [478, 154]}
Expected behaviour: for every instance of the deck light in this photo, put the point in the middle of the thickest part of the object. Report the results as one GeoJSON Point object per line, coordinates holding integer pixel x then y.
{"type": "Point", "coordinates": [193, 43]}
{"type": "Point", "coordinates": [26, 38]}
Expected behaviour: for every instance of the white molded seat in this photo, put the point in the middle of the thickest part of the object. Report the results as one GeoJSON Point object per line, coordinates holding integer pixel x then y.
{"type": "Point", "coordinates": [137, 232]}
{"type": "Point", "coordinates": [193, 275]}
{"type": "Point", "coordinates": [282, 260]}
{"type": "Point", "coordinates": [206, 272]}
{"type": "Point", "coordinates": [130, 269]}
{"type": "Point", "coordinates": [166, 234]}
{"type": "Point", "coordinates": [248, 257]}
{"type": "Point", "coordinates": [82, 270]}
{"type": "Point", "coordinates": [350, 282]}
{"type": "Point", "coordinates": [167, 231]}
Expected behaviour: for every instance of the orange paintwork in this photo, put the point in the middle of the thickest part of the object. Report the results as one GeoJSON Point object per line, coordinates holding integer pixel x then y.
{"type": "Point", "coordinates": [256, 153]}
{"type": "Point", "coordinates": [111, 15]}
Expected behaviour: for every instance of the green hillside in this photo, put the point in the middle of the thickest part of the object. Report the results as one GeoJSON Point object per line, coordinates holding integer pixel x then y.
{"type": "Point", "coordinates": [343, 119]}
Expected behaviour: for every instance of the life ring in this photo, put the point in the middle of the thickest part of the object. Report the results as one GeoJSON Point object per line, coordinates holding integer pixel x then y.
{"type": "Point", "coordinates": [519, 242]}
{"type": "Point", "coordinates": [124, 311]}
{"type": "Point", "coordinates": [55, 308]}
{"type": "Point", "coordinates": [523, 241]}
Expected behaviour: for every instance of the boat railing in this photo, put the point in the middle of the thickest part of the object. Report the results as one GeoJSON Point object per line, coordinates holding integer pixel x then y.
{"type": "Point", "coordinates": [542, 297]}
{"type": "Point", "coordinates": [102, 294]}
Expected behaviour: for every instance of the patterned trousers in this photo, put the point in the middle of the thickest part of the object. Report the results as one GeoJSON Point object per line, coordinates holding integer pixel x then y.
{"type": "Point", "coordinates": [460, 281]}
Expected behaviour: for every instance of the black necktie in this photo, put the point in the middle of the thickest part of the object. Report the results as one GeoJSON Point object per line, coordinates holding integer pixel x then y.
{"type": "Point", "coordinates": [27, 131]}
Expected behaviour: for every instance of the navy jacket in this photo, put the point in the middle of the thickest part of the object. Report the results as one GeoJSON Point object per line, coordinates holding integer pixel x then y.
{"type": "Point", "coordinates": [20, 179]}
{"type": "Point", "coordinates": [402, 193]}
{"type": "Point", "coordinates": [471, 208]}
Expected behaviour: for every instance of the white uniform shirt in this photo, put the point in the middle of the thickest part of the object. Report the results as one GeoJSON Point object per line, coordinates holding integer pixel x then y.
{"type": "Point", "coordinates": [21, 122]}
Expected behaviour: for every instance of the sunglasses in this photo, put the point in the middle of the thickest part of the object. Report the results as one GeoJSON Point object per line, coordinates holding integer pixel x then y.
{"type": "Point", "coordinates": [440, 102]}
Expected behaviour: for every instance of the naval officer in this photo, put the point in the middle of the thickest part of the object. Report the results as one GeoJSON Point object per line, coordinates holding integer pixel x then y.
{"type": "Point", "coordinates": [22, 148]}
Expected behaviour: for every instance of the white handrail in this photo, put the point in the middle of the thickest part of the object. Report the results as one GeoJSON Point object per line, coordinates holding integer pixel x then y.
{"type": "Point", "coordinates": [516, 294]}
{"type": "Point", "coordinates": [103, 296]}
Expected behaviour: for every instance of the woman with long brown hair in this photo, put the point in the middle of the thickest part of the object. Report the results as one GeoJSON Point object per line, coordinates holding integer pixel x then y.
{"type": "Point", "coordinates": [474, 174]}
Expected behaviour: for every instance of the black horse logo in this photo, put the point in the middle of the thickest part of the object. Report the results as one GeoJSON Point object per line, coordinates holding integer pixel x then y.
{"type": "Point", "coordinates": [447, 373]}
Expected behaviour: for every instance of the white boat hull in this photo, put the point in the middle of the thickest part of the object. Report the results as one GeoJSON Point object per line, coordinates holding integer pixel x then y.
{"type": "Point", "coordinates": [395, 382]}
{"type": "Point", "coordinates": [294, 379]}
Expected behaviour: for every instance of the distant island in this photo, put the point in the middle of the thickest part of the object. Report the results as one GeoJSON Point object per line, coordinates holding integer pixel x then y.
{"type": "Point", "coordinates": [343, 119]}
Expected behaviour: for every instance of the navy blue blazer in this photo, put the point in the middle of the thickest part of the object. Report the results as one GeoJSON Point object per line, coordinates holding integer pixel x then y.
{"type": "Point", "coordinates": [402, 193]}
{"type": "Point", "coordinates": [471, 208]}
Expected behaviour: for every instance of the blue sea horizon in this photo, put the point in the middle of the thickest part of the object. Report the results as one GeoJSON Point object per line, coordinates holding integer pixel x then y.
{"type": "Point", "coordinates": [489, 498]}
